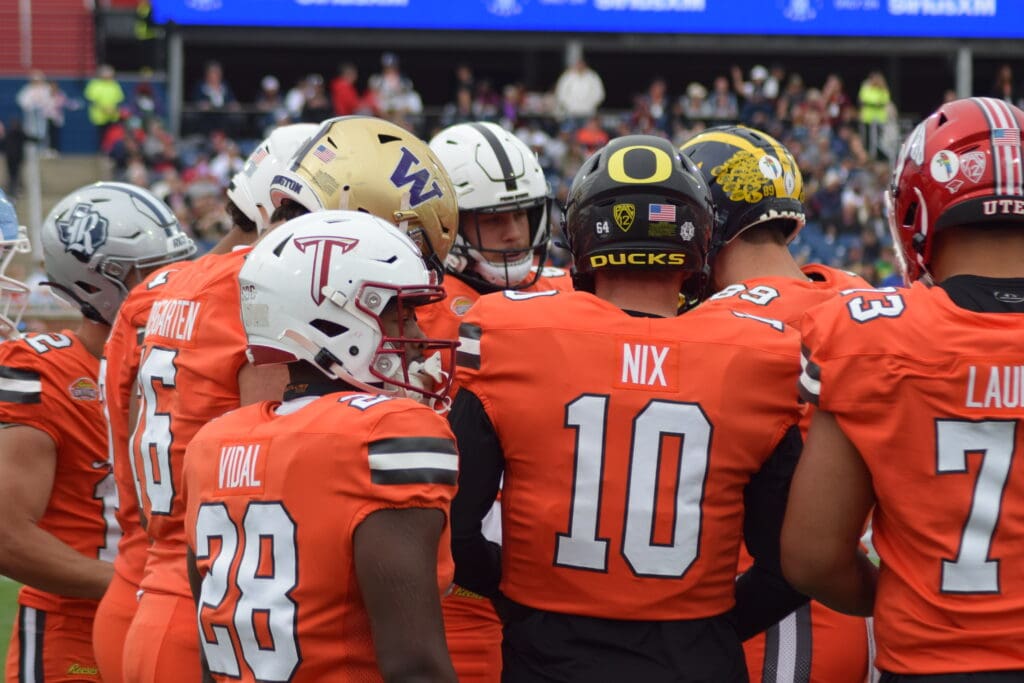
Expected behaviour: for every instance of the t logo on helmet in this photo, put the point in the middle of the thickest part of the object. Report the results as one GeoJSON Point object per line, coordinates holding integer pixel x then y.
{"type": "Point", "coordinates": [83, 231]}
{"type": "Point", "coordinates": [323, 248]}
{"type": "Point", "coordinates": [401, 177]}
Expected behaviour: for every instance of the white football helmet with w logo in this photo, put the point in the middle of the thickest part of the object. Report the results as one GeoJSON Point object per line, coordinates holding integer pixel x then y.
{"type": "Point", "coordinates": [316, 289]}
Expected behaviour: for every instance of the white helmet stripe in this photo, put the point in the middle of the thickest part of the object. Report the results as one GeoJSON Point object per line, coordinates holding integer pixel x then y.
{"type": "Point", "coordinates": [1006, 150]}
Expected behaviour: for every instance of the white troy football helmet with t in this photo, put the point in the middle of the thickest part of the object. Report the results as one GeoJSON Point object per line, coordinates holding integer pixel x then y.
{"type": "Point", "coordinates": [250, 187]}
{"type": "Point", "coordinates": [97, 236]}
{"type": "Point", "coordinates": [493, 171]}
{"type": "Point", "coordinates": [13, 293]}
{"type": "Point", "coordinates": [315, 290]}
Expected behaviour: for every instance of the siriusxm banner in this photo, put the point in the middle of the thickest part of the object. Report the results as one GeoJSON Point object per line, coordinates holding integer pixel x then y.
{"type": "Point", "coordinates": [882, 18]}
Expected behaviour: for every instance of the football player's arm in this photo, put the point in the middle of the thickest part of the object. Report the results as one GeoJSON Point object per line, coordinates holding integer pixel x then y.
{"type": "Point", "coordinates": [831, 498]}
{"type": "Point", "coordinates": [195, 582]}
{"type": "Point", "coordinates": [763, 596]}
{"type": "Point", "coordinates": [261, 383]}
{"type": "Point", "coordinates": [28, 462]}
{"type": "Point", "coordinates": [481, 462]}
{"type": "Point", "coordinates": [396, 566]}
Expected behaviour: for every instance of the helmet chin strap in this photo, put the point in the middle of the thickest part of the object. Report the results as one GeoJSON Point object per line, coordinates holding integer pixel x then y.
{"type": "Point", "coordinates": [423, 374]}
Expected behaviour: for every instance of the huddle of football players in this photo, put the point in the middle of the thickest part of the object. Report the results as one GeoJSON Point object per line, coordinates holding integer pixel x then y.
{"type": "Point", "coordinates": [371, 436]}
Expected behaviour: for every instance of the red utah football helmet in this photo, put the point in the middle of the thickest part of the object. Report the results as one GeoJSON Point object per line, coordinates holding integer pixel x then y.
{"type": "Point", "coordinates": [961, 166]}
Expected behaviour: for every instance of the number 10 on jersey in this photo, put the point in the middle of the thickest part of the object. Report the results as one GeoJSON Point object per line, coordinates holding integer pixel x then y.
{"type": "Point", "coordinates": [582, 547]}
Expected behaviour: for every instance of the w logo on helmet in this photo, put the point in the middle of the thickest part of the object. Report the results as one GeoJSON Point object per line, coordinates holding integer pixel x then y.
{"type": "Point", "coordinates": [402, 177]}
{"type": "Point", "coordinates": [83, 231]}
{"type": "Point", "coordinates": [323, 248]}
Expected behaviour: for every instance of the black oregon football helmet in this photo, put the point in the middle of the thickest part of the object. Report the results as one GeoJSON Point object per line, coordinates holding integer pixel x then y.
{"type": "Point", "coordinates": [753, 178]}
{"type": "Point", "coordinates": [638, 203]}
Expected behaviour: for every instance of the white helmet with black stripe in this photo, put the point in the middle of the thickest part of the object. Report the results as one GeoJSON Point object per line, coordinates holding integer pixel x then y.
{"type": "Point", "coordinates": [101, 239]}
{"type": "Point", "coordinates": [494, 172]}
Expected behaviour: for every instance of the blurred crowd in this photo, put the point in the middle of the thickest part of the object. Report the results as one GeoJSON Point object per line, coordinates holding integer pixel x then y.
{"type": "Point", "coordinates": [843, 135]}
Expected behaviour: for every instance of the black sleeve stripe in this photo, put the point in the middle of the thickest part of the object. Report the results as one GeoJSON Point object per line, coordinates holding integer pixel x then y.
{"type": "Point", "coordinates": [7, 372]}
{"type": "Point", "coordinates": [467, 360]}
{"type": "Point", "coordinates": [810, 367]}
{"type": "Point", "coordinates": [20, 397]}
{"type": "Point", "coordinates": [470, 331]}
{"type": "Point", "coordinates": [421, 475]}
{"type": "Point", "coordinates": [413, 444]}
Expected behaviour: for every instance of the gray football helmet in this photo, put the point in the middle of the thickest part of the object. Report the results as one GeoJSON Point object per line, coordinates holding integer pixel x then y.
{"type": "Point", "coordinates": [97, 236]}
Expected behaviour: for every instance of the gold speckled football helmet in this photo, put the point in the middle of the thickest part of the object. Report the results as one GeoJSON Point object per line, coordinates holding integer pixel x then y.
{"type": "Point", "coordinates": [362, 163]}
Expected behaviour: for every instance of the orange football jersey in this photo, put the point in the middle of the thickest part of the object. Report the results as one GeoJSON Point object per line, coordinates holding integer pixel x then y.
{"type": "Point", "coordinates": [118, 368]}
{"type": "Point", "coordinates": [193, 348]}
{"type": "Point", "coordinates": [623, 496]}
{"type": "Point", "coordinates": [824, 645]}
{"type": "Point", "coordinates": [49, 382]}
{"type": "Point", "coordinates": [930, 394]}
{"type": "Point", "coordinates": [786, 298]}
{"type": "Point", "coordinates": [441, 320]}
{"type": "Point", "coordinates": [274, 496]}
{"type": "Point", "coordinates": [471, 624]}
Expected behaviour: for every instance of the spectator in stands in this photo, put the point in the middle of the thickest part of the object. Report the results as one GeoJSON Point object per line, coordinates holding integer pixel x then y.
{"type": "Point", "coordinates": [344, 94]}
{"type": "Point", "coordinates": [773, 84]}
{"type": "Point", "coordinates": [486, 102]}
{"type": "Point", "coordinates": [215, 99]}
{"type": "Point", "coordinates": [1002, 87]}
{"type": "Point", "coordinates": [724, 106]}
{"type": "Point", "coordinates": [657, 106]}
{"type": "Point", "coordinates": [511, 104]}
{"type": "Point", "coordinates": [826, 205]}
{"type": "Point", "coordinates": [34, 98]}
{"type": "Point", "coordinates": [12, 141]}
{"type": "Point", "coordinates": [791, 98]}
{"type": "Point", "coordinates": [270, 105]}
{"type": "Point", "coordinates": [755, 98]}
{"type": "Point", "coordinates": [459, 111]}
{"type": "Point", "coordinates": [393, 90]}
{"type": "Point", "coordinates": [579, 91]}
{"type": "Point", "coordinates": [591, 136]}
{"type": "Point", "coordinates": [145, 102]}
{"type": "Point", "coordinates": [213, 93]}
{"type": "Point", "coordinates": [54, 112]}
{"type": "Point", "coordinates": [315, 106]}
{"type": "Point", "coordinates": [873, 98]}
{"type": "Point", "coordinates": [694, 105]}
{"type": "Point", "coordinates": [210, 220]}
{"type": "Point", "coordinates": [837, 103]}
{"type": "Point", "coordinates": [463, 78]}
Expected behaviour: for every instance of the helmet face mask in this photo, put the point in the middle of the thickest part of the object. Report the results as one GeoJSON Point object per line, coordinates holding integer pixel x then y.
{"type": "Point", "coordinates": [98, 236]}
{"type": "Point", "coordinates": [362, 163]}
{"type": "Point", "coordinates": [753, 178]}
{"type": "Point", "coordinates": [960, 167]}
{"type": "Point", "coordinates": [13, 293]}
{"type": "Point", "coordinates": [349, 314]}
{"type": "Point", "coordinates": [639, 204]}
{"type": "Point", "coordinates": [494, 173]}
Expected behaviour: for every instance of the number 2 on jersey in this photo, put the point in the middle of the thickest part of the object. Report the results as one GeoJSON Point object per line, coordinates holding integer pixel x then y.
{"type": "Point", "coordinates": [153, 433]}
{"type": "Point", "coordinates": [581, 547]}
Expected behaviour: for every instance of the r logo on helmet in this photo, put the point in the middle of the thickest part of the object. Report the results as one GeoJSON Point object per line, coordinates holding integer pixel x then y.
{"type": "Point", "coordinates": [83, 231]}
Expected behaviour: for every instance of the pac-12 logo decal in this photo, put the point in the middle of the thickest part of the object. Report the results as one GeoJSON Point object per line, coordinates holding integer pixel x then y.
{"type": "Point", "coordinates": [323, 248]}
{"type": "Point", "coordinates": [403, 176]}
{"type": "Point", "coordinates": [83, 231]}
{"type": "Point", "coordinates": [624, 214]}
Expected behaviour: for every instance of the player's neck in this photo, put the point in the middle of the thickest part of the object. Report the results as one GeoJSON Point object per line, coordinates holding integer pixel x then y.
{"type": "Point", "coordinates": [93, 336]}
{"type": "Point", "coordinates": [993, 252]}
{"type": "Point", "coordinates": [306, 380]}
{"type": "Point", "coordinates": [235, 237]}
{"type": "Point", "coordinates": [652, 292]}
{"type": "Point", "coordinates": [739, 261]}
